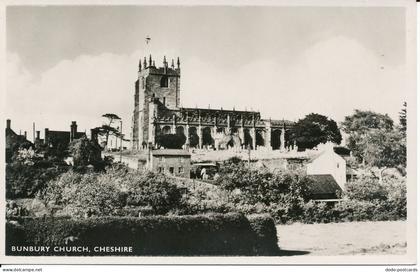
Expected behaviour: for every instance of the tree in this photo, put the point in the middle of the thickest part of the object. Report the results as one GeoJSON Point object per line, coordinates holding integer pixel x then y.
{"type": "Point", "coordinates": [315, 129]}
{"type": "Point", "coordinates": [359, 125]}
{"type": "Point", "coordinates": [174, 141]}
{"type": "Point", "coordinates": [403, 119]}
{"type": "Point", "coordinates": [362, 121]}
{"type": "Point", "coordinates": [107, 128]}
{"type": "Point", "coordinates": [85, 152]}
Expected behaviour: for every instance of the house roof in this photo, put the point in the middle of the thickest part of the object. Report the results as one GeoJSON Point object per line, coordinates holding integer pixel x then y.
{"type": "Point", "coordinates": [13, 138]}
{"type": "Point", "coordinates": [323, 185]}
{"type": "Point", "coordinates": [171, 152]}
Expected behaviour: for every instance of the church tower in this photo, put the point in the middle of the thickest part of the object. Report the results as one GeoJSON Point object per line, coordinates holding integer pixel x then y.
{"type": "Point", "coordinates": [155, 87]}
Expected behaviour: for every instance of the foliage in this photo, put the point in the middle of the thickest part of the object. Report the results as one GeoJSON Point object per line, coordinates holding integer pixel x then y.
{"type": "Point", "coordinates": [253, 186]}
{"type": "Point", "coordinates": [403, 119]}
{"type": "Point", "coordinates": [107, 127]}
{"type": "Point", "coordinates": [382, 148]}
{"type": "Point", "coordinates": [194, 140]}
{"type": "Point", "coordinates": [26, 180]}
{"type": "Point", "coordinates": [106, 193]}
{"type": "Point", "coordinates": [211, 234]}
{"type": "Point", "coordinates": [364, 199]}
{"type": "Point", "coordinates": [85, 152]}
{"type": "Point", "coordinates": [27, 156]}
{"type": "Point", "coordinates": [265, 230]}
{"type": "Point", "coordinates": [204, 200]}
{"type": "Point", "coordinates": [315, 129]}
{"type": "Point", "coordinates": [362, 123]}
{"type": "Point", "coordinates": [172, 141]}
{"type": "Point", "coordinates": [154, 190]}
{"type": "Point", "coordinates": [365, 189]}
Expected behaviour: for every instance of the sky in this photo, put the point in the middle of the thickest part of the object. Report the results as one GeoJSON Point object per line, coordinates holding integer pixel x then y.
{"type": "Point", "coordinates": [77, 63]}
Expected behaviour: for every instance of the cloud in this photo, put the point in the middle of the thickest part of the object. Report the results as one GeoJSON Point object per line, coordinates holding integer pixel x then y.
{"type": "Point", "coordinates": [332, 77]}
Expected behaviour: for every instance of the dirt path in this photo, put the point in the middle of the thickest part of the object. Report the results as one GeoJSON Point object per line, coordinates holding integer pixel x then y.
{"type": "Point", "coordinates": [362, 238]}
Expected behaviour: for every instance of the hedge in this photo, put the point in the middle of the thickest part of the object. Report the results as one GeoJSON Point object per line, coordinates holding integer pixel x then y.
{"type": "Point", "coordinates": [211, 234]}
{"type": "Point", "coordinates": [264, 228]}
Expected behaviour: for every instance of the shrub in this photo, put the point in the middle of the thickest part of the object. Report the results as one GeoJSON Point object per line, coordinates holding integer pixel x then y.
{"type": "Point", "coordinates": [212, 234]}
{"type": "Point", "coordinates": [262, 186]}
{"type": "Point", "coordinates": [85, 152]}
{"type": "Point", "coordinates": [105, 194]}
{"type": "Point", "coordinates": [204, 200]}
{"type": "Point", "coordinates": [365, 189]}
{"type": "Point", "coordinates": [264, 229]}
{"type": "Point", "coordinates": [23, 180]}
{"type": "Point", "coordinates": [154, 190]}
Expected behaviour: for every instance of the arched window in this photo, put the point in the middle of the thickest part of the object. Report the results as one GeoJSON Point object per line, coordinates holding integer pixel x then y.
{"type": "Point", "coordinates": [164, 82]}
{"type": "Point", "coordinates": [142, 82]}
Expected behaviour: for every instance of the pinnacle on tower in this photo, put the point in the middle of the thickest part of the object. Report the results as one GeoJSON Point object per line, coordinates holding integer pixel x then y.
{"type": "Point", "coordinates": [150, 60]}
{"type": "Point", "coordinates": [164, 61]}
{"type": "Point", "coordinates": [178, 63]}
{"type": "Point", "coordinates": [144, 62]}
{"type": "Point", "coordinates": [172, 64]}
{"type": "Point", "coordinates": [139, 65]}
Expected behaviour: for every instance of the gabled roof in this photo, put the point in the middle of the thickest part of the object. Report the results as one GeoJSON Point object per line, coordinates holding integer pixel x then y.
{"type": "Point", "coordinates": [323, 187]}
{"type": "Point", "coordinates": [171, 152]}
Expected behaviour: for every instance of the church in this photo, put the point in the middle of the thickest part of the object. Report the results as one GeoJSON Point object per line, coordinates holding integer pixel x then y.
{"type": "Point", "coordinates": [157, 112]}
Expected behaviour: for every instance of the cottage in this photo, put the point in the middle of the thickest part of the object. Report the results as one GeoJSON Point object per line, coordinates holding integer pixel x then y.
{"type": "Point", "coordinates": [329, 171]}
{"type": "Point", "coordinates": [176, 162]}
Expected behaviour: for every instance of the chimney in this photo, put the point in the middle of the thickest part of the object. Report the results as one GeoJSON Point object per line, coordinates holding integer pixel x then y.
{"type": "Point", "coordinates": [38, 133]}
{"type": "Point", "coordinates": [8, 123]}
{"type": "Point", "coordinates": [25, 135]}
{"type": "Point", "coordinates": [73, 130]}
{"type": "Point", "coordinates": [46, 136]}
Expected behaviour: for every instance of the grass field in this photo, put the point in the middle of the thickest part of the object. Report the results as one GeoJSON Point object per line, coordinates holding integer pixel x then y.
{"type": "Point", "coordinates": [352, 238]}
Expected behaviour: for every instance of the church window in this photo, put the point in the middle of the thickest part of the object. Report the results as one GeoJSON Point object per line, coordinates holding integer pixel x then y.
{"type": "Point", "coordinates": [164, 82]}
{"type": "Point", "coordinates": [142, 82]}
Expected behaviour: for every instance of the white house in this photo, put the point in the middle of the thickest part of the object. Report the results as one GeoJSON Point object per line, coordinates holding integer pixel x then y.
{"type": "Point", "coordinates": [329, 163]}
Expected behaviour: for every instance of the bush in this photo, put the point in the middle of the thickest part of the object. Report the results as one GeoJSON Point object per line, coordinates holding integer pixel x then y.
{"type": "Point", "coordinates": [105, 194]}
{"type": "Point", "coordinates": [23, 180]}
{"type": "Point", "coordinates": [348, 211]}
{"type": "Point", "coordinates": [262, 186]}
{"type": "Point", "coordinates": [265, 231]}
{"type": "Point", "coordinates": [365, 189]}
{"type": "Point", "coordinates": [213, 234]}
{"type": "Point", "coordinates": [205, 200]}
{"type": "Point", "coordinates": [154, 190]}
{"type": "Point", "coordinates": [86, 152]}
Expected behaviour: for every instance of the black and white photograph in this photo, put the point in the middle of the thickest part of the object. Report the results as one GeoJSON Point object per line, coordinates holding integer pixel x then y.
{"type": "Point", "coordinates": [205, 133]}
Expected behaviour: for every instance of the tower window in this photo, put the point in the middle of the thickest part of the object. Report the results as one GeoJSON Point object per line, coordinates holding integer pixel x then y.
{"type": "Point", "coordinates": [164, 82]}
{"type": "Point", "coordinates": [142, 82]}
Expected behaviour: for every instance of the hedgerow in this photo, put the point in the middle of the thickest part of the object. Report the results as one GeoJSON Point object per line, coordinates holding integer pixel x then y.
{"type": "Point", "coordinates": [211, 234]}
